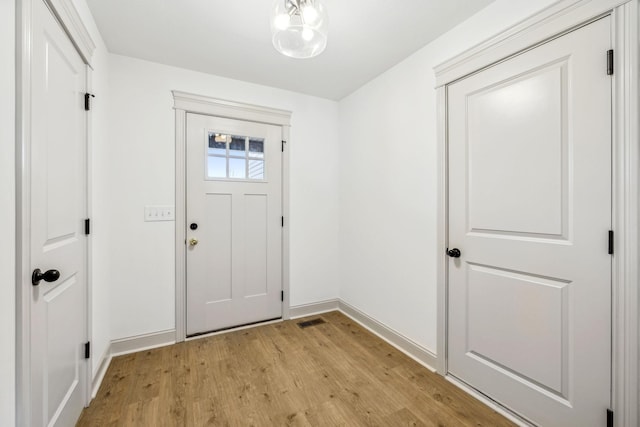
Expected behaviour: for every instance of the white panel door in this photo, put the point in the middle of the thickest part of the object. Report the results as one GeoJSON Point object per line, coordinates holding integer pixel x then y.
{"type": "Point", "coordinates": [234, 229]}
{"type": "Point", "coordinates": [530, 211]}
{"type": "Point", "coordinates": [58, 209]}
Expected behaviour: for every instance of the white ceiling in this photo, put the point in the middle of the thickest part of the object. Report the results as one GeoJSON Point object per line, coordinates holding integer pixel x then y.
{"type": "Point", "coordinates": [232, 38]}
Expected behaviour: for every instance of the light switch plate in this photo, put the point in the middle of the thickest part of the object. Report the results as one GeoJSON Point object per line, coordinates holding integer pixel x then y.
{"type": "Point", "coordinates": [159, 213]}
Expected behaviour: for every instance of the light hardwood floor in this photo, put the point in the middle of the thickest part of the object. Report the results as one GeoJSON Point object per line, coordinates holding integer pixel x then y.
{"type": "Point", "coordinates": [330, 374]}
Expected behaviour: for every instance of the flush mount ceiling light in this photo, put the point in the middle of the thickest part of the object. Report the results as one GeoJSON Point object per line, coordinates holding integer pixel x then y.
{"type": "Point", "coordinates": [299, 27]}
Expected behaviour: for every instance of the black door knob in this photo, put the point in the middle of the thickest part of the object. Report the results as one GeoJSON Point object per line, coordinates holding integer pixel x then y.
{"type": "Point", "coordinates": [47, 276]}
{"type": "Point", "coordinates": [453, 253]}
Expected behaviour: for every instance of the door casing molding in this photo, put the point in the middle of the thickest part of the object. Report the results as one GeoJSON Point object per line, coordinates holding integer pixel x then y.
{"type": "Point", "coordinates": [191, 103]}
{"type": "Point", "coordinates": [67, 15]}
{"type": "Point", "coordinates": [550, 23]}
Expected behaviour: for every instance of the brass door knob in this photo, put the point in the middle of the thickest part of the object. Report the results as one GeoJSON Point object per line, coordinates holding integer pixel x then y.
{"type": "Point", "coordinates": [193, 242]}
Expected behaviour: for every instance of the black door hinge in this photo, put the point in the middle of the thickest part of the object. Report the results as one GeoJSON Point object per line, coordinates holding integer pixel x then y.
{"type": "Point", "coordinates": [610, 62]}
{"type": "Point", "coordinates": [87, 101]}
{"type": "Point", "coordinates": [282, 220]}
{"type": "Point", "coordinates": [87, 226]}
{"type": "Point", "coordinates": [610, 242]}
{"type": "Point", "coordinates": [283, 142]}
{"type": "Point", "coordinates": [281, 295]}
{"type": "Point", "coordinates": [87, 350]}
{"type": "Point", "coordinates": [609, 418]}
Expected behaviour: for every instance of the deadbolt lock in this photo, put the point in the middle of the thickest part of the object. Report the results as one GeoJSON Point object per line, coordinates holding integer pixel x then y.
{"type": "Point", "coordinates": [193, 242]}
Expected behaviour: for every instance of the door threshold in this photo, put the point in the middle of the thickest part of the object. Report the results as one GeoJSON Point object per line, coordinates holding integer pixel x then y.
{"type": "Point", "coordinates": [233, 328]}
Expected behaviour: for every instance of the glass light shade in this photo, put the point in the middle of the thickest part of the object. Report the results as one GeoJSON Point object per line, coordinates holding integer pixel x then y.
{"type": "Point", "coordinates": [299, 27]}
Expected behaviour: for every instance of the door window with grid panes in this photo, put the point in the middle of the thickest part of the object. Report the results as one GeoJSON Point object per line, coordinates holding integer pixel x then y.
{"type": "Point", "coordinates": [235, 157]}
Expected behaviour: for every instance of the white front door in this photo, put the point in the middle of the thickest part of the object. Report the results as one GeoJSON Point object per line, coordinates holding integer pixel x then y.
{"type": "Point", "coordinates": [234, 228]}
{"type": "Point", "coordinates": [530, 211]}
{"type": "Point", "coordinates": [58, 207]}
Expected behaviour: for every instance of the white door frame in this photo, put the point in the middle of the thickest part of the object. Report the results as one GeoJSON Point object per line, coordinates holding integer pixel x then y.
{"type": "Point", "coordinates": [190, 103]}
{"type": "Point", "coordinates": [551, 22]}
{"type": "Point", "coordinates": [67, 15]}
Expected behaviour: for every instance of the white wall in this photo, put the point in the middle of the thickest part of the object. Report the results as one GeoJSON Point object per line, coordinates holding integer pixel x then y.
{"type": "Point", "coordinates": [139, 164]}
{"type": "Point", "coordinates": [100, 333]}
{"type": "Point", "coordinates": [388, 182]}
{"type": "Point", "coordinates": [7, 212]}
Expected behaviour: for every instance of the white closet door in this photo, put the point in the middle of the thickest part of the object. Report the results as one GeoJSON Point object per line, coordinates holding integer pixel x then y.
{"type": "Point", "coordinates": [58, 210]}
{"type": "Point", "coordinates": [530, 212]}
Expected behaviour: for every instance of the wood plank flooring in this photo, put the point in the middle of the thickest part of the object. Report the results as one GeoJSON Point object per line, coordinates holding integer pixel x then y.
{"type": "Point", "coordinates": [331, 374]}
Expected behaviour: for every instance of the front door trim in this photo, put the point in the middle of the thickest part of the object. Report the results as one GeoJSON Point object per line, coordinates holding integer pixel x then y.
{"type": "Point", "coordinates": [551, 22]}
{"type": "Point", "coordinates": [191, 103]}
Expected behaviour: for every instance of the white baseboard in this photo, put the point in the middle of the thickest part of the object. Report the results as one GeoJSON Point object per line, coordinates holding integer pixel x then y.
{"type": "Point", "coordinates": [142, 342]}
{"type": "Point", "coordinates": [412, 349]}
{"type": "Point", "coordinates": [105, 361]}
{"type": "Point", "coordinates": [304, 310]}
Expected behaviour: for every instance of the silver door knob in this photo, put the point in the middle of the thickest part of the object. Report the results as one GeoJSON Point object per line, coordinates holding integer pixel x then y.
{"type": "Point", "coordinates": [193, 242]}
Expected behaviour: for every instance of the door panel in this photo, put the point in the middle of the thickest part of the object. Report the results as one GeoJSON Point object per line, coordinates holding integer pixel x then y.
{"type": "Point", "coordinates": [217, 243]}
{"type": "Point", "coordinates": [530, 210]}
{"type": "Point", "coordinates": [58, 209]}
{"type": "Point", "coordinates": [533, 323]}
{"type": "Point", "coordinates": [234, 187]}
{"type": "Point", "coordinates": [256, 243]}
{"type": "Point", "coordinates": [532, 136]}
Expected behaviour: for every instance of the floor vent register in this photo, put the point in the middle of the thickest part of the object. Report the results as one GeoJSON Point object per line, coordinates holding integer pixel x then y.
{"type": "Point", "coordinates": [312, 322]}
